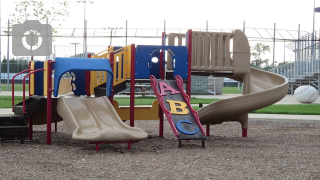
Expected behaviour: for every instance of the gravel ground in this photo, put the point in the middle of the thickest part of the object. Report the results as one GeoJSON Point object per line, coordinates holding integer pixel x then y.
{"type": "Point", "coordinates": [271, 151]}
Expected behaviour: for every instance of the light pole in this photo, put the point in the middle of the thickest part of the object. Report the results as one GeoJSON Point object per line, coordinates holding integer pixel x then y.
{"type": "Point", "coordinates": [85, 26]}
{"type": "Point", "coordinates": [75, 48]}
{"type": "Point", "coordinates": [8, 59]}
{"type": "Point", "coordinates": [113, 28]}
{"type": "Point", "coordinates": [316, 9]}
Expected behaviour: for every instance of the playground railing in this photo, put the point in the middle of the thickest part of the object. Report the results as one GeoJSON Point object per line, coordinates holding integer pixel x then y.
{"type": "Point", "coordinates": [213, 51]}
{"type": "Point", "coordinates": [24, 89]}
{"type": "Point", "coordinates": [121, 68]}
{"type": "Point", "coordinates": [12, 81]}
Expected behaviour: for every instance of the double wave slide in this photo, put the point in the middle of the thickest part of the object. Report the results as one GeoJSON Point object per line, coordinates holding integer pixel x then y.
{"type": "Point", "coordinates": [175, 104]}
{"type": "Point", "coordinates": [96, 121]}
{"type": "Point", "coordinates": [265, 89]}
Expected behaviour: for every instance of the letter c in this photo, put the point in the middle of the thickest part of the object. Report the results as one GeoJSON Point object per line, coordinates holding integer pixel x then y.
{"type": "Point", "coordinates": [181, 129]}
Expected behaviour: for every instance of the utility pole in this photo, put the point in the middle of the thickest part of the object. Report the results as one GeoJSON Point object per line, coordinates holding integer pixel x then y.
{"type": "Point", "coordinates": [8, 59]}
{"type": "Point", "coordinates": [75, 48]}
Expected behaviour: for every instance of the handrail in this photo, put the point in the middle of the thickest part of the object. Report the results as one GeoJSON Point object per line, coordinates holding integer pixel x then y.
{"type": "Point", "coordinates": [24, 88]}
{"type": "Point", "coordinates": [12, 82]}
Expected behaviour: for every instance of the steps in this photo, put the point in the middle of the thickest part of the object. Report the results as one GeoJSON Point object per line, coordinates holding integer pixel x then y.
{"type": "Point", "coordinates": [32, 104]}
{"type": "Point", "coordinates": [13, 127]}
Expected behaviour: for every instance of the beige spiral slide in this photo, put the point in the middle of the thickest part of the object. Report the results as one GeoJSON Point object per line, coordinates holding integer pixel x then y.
{"type": "Point", "coordinates": [227, 54]}
{"type": "Point", "coordinates": [94, 119]}
{"type": "Point", "coordinates": [265, 89]}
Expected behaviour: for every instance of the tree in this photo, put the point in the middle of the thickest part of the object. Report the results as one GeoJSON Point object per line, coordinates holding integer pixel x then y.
{"type": "Point", "coordinates": [258, 50]}
{"type": "Point", "coordinates": [36, 10]}
{"type": "Point", "coordinates": [4, 65]}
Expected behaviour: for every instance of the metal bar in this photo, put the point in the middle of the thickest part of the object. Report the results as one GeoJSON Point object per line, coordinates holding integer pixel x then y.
{"type": "Point", "coordinates": [112, 64]}
{"type": "Point", "coordinates": [12, 84]}
{"type": "Point", "coordinates": [8, 59]}
{"type": "Point", "coordinates": [24, 89]}
{"type": "Point", "coordinates": [258, 32]}
{"type": "Point", "coordinates": [189, 61]}
{"type": "Point", "coordinates": [274, 44]}
{"type": "Point", "coordinates": [132, 84]}
{"type": "Point", "coordinates": [49, 100]}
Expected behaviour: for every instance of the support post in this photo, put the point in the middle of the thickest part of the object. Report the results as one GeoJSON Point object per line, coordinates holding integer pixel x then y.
{"type": "Point", "coordinates": [274, 44]}
{"type": "Point", "coordinates": [87, 80]}
{"type": "Point", "coordinates": [112, 64]}
{"type": "Point", "coordinates": [132, 84]}
{"type": "Point", "coordinates": [49, 101]}
{"type": "Point", "coordinates": [189, 61]}
{"type": "Point", "coordinates": [208, 130]}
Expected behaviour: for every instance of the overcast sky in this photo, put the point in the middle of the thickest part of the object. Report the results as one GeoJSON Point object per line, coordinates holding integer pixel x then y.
{"type": "Point", "coordinates": [221, 14]}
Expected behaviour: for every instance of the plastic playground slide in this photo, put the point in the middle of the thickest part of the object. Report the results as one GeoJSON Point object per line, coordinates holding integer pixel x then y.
{"type": "Point", "coordinates": [94, 119]}
{"type": "Point", "coordinates": [265, 89]}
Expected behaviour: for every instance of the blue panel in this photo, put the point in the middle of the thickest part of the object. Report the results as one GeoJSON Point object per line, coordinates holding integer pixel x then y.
{"type": "Point", "coordinates": [79, 82]}
{"type": "Point", "coordinates": [38, 79]}
{"type": "Point", "coordinates": [155, 66]}
{"type": "Point", "coordinates": [144, 54]}
{"type": "Point", "coordinates": [64, 65]}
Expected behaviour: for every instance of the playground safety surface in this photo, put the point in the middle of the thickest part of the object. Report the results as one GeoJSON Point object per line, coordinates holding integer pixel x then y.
{"type": "Point", "coordinates": [272, 150]}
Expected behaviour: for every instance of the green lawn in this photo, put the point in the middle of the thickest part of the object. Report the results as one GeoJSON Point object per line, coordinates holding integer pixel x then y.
{"type": "Point", "coordinates": [17, 87]}
{"type": "Point", "coordinates": [125, 101]}
{"type": "Point", "coordinates": [6, 101]}
{"type": "Point", "coordinates": [302, 109]}
{"type": "Point", "coordinates": [298, 109]}
{"type": "Point", "coordinates": [231, 90]}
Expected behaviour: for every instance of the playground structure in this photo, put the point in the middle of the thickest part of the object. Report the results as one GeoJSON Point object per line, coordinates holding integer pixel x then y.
{"type": "Point", "coordinates": [205, 53]}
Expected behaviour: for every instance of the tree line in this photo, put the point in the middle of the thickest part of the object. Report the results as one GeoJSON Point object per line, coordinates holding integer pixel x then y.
{"type": "Point", "coordinates": [15, 65]}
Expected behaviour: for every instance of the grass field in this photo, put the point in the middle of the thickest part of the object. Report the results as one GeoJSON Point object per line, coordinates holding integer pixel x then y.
{"type": "Point", "coordinates": [298, 109]}
{"type": "Point", "coordinates": [124, 101]}
{"type": "Point", "coordinates": [301, 109]}
{"type": "Point", "coordinates": [17, 87]}
{"type": "Point", "coordinates": [231, 90]}
{"type": "Point", "coordinates": [6, 101]}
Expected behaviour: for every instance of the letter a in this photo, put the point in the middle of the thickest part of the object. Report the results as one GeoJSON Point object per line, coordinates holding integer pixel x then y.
{"type": "Point", "coordinates": [174, 108]}
{"type": "Point", "coordinates": [165, 87]}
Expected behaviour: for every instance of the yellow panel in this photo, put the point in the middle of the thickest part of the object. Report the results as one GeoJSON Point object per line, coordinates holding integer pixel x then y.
{"type": "Point", "coordinates": [98, 78]}
{"type": "Point", "coordinates": [31, 78]}
{"type": "Point", "coordinates": [140, 113]}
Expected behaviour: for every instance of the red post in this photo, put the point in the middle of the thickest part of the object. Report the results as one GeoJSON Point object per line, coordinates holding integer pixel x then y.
{"type": "Point", "coordinates": [161, 121]}
{"type": "Point", "coordinates": [49, 101]}
{"type": "Point", "coordinates": [29, 77]}
{"type": "Point", "coordinates": [87, 81]}
{"type": "Point", "coordinates": [132, 83]}
{"type": "Point", "coordinates": [112, 64]}
{"type": "Point", "coordinates": [208, 129]}
{"type": "Point", "coordinates": [244, 132]}
{"type": "Point", "coordinates": [162, 76]}
{"type": "Point", "coordinates": [189, 61]}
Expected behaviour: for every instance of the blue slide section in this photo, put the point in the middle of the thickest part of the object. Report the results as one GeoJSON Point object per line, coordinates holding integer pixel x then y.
{"type": "Point", "coordinates": [64, 65]}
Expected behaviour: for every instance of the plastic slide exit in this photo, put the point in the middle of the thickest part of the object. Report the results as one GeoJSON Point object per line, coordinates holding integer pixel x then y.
{"type": "Point", "coordinates": [176, 106]}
